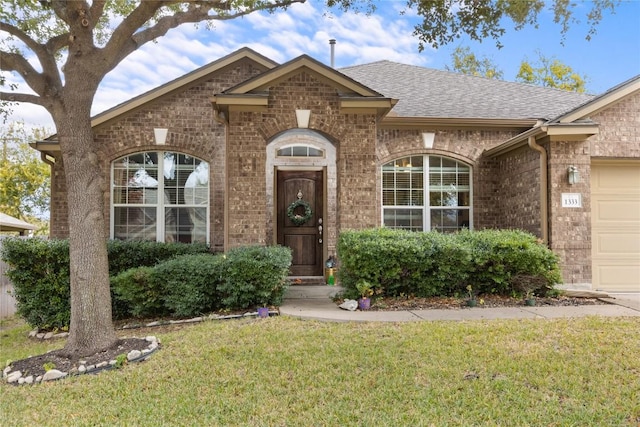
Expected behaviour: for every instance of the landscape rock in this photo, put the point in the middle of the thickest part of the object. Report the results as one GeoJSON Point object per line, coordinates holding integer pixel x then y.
{"type": "Point", "coordinates": [349, 304]}
{"type": "Point", "coordinates": [134, 354]}
{"type": "Point", "coordinates": [14, 376]}
{"type": "Point", "coordinates": [53, 374]}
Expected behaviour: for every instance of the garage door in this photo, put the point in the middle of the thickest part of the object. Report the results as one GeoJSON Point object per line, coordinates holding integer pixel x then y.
{"type": "Point", "coordinates": [615, 207]}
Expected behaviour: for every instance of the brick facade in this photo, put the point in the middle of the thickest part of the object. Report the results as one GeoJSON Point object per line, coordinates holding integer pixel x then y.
{"type": "Point", "coordinates": [570, 228]}
{"type": "Point", "coordinates": [506, 188]}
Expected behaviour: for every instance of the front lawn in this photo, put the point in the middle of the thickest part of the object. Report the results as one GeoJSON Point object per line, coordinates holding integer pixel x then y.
{"type": "Point", "coordinates": [284, 371]}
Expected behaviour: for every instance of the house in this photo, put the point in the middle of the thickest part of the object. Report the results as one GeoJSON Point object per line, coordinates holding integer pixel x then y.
{"type": "Point", "coordinates": [248, 151]}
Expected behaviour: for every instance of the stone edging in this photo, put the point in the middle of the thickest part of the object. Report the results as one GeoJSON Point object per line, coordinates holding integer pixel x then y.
{"type": "Point", "coordinates": [15, 377]}
{"type": "Point", "coordinates": [50, 335]}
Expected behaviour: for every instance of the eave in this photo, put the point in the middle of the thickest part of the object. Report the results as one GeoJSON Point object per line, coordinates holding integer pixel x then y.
{"type": "Point", "coordinates": [399, 122]}
{"type": "Point", "coordinates": [553, 131]}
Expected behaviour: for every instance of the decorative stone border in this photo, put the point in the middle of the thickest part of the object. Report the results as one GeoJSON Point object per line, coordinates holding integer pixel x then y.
{"type": "Point", "coordinates": [15, 377]}
{"type": "Point", "coordinates": [50, 335]}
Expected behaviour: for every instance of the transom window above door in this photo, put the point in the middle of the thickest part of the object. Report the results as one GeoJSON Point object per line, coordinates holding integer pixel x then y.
{"type": "Point", "coordinates": [423, 193]}
{"type": "Point", "coordinates": [160, 196]}
{"type": "Point", "coordinates": [299, 151]}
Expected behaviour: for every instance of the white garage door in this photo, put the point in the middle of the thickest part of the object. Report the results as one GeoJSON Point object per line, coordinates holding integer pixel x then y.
{"type": "Point", "coordinates": [615, 219]}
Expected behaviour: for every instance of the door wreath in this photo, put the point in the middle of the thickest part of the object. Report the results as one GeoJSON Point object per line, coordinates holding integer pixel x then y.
{"type": "Point", "coordinates": [295, 217]}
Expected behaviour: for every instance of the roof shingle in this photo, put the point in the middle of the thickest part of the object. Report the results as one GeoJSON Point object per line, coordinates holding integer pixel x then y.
{"type": "Point", "coordinates": [426, 92]}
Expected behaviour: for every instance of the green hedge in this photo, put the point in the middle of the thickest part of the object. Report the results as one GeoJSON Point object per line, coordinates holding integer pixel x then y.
{"type": "Point", "coordinates": [191, 285]}
{"type": "Point", "coordinates": [39, 272]}
{"type": "Point", "coordinates": [255, 276]}
{"type": "Point", "coordinates": [167, 279]}
{"type": "Point", "coordinates": [427, 264]}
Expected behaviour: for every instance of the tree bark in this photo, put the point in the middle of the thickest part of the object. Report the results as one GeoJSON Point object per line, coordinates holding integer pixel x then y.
{"type": "Point", "coordinates": [91, 328]}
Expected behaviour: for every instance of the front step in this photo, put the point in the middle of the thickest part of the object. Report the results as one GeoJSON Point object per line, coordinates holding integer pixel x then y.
{"type": "Point", "coordinates": [307, 280]}
{"type": "Point", "coordinates": [312, 292]}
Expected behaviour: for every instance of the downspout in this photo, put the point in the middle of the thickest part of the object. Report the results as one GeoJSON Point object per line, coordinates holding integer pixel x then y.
{"type": "Point", "coordinates": [544, 191]}
{"type": "Point", "coordinates": [45, 159]}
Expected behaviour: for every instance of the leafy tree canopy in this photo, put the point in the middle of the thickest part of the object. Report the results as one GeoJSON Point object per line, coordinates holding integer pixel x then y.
{"type": "Point", "coordinates": [549, 72]}
{"type": "Point", "coordinates": [466, 62]}
{"type": "Point", "coordinates": [24, 178]}
{"type": "Point", "coordinates": [444, 21]}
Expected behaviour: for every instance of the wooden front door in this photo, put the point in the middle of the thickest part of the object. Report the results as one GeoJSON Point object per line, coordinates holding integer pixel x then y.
{"type": "Point", "coordinates": [304, 239]}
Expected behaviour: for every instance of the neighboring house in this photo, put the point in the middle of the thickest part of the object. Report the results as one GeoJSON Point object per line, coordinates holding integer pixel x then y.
{"type": "Point", "coordinates": [9, 227]}
{"type": "Point", "coordinates": [222, 155]}
{"type": "Point", "coordinates": [9, 224]}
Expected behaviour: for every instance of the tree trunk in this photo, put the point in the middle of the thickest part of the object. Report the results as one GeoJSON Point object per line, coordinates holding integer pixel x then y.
{"type": "Point", "coordinates": [91, 328]}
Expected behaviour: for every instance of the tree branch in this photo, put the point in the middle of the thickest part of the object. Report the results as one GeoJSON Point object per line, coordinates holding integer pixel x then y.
{"type": "Point", "coordinates": [15, 62]}
{"type": "Point", "coordinates": [45, 53]}
{"type": "Point", "coordinates": [97, 9]}
{"type": "Point", "coordinates": [22, 36]}
{"type": "Point", "coordinates": [199, 11]}
{"type": "Point", "coordinates": [126, 40]}
{"type": "Point", "coordinates": [22, 97]}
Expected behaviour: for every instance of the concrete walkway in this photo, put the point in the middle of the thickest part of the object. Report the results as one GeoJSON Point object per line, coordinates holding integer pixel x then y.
{"type": "Point", "coordinates": [314, 302]}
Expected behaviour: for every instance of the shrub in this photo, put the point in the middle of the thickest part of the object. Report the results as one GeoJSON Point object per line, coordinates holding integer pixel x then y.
{"type": "Point", "coordinates": [189, 283]}
{"type": "Point", "coordinates": [124, 255]}
{"type": "Point", "coordinates": [137, 293]}
{"type": "Point", "coordinates": [500, 258]}
{"type": "Point", "coordinates": [426, 264]}
{"type": "Point", "coordinates": [39, 271]}
{"type": "Point", "coordinates": [255, 276]}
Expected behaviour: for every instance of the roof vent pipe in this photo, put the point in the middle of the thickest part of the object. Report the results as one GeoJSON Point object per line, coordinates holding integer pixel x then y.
{"type": "Point", "coordinates": [332, 42]}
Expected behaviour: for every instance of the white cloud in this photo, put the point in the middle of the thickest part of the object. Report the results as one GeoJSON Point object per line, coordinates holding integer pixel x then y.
{"type": "Point", "coordinates": [306, 29]}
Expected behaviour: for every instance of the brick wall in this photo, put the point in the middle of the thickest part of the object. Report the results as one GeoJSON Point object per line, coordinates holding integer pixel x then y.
{"type": "Point", "coordinates": [192, 130]}
{"type": "Point", "coordinates": [58, 224]}
{"type": "Point", "coordinates": [516, 191]}
{"type": "Point", "coordinates": [570, 228]}
{"type": "Point", "coordinates": [619, 134]}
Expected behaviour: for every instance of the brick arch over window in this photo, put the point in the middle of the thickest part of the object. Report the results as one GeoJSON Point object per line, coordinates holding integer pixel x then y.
{"type": "Point", "coordinates": [424, 192]}
{"type": "Point", "coordinates": [160, 196]}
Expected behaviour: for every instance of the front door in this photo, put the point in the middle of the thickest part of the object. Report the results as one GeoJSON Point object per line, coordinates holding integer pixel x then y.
{"type": "Point", "coordinates": [300, 207]}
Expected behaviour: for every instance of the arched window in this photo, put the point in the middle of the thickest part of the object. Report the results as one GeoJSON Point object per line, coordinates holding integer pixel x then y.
{"type": "Point", "coordinates": [160, 196]}
{"type": "Point", "coordinates": [299, 151]}
{"type": "Point", "coordinates": [424, 193]}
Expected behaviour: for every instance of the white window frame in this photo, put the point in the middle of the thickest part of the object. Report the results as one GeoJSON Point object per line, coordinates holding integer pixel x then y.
{"type": "Point", "coordinates": [160, 205]}
{"type": "Point", "coordinates": [305, 146]}
{"type": "Point", "coordinates": [426, 207]}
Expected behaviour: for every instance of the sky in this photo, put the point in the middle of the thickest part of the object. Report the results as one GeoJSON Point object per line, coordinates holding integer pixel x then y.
{"type": "Point", "coordinates": [609, 58]}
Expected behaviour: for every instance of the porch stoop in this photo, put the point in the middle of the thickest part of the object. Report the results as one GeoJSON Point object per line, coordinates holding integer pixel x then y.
{"type": "Point", "coordinates": [322, 292]}
{"type": "Point", "coordinates": [307, 280]}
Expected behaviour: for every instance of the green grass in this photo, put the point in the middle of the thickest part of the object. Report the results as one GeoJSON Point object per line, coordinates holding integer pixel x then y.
{"type": "Point", "coordinates": [283, 371]}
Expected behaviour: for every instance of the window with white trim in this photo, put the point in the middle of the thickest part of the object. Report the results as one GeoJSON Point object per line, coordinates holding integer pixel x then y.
{"type": "Point", "coordinates": [160, 196]}
{"type": "Point", "coordinates": [423, 193]}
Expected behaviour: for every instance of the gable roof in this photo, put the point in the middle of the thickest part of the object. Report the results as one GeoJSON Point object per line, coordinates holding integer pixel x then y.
{"type": "Point", "coordinates": [9, 223]}
{"type": "Point", "coordinates": [573, 123]}
{"type": "Point", "coordinates": [425, 92]}
{"type": "Point", "coordinates": [183, 82]}
{"type": "Point", "coordinates": [253, 93]}
{"type": "Point", "coordinates": [601, 102]}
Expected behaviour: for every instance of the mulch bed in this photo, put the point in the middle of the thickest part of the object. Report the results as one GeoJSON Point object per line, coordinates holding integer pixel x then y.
{"type": "Point", "coordinates": [64, 362]}
{"type": "Point", "coordinates": [486, 301]}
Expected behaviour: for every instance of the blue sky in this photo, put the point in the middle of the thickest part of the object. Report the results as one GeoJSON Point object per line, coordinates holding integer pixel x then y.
{"type": "Point", "coordinates": [611, 57]}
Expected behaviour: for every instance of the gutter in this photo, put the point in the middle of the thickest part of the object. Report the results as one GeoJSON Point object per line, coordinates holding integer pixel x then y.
{"type": "Point", "coordinates": [544, 211]}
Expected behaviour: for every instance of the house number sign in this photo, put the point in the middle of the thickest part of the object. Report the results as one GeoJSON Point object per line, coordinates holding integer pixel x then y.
{"type": "Point", "coordinates": [571, 200]}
